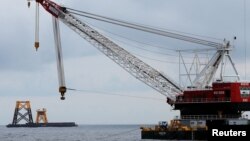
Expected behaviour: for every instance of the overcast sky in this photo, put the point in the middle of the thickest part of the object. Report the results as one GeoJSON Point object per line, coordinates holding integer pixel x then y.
{"type": "Point", "coordinates": [29, 75]}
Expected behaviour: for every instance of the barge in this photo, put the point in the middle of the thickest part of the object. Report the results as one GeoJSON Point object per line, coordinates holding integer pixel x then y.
{"type": "Point", "coordinates": [23, 112]}
{"type": "Point", "coordinates": [204, 112]}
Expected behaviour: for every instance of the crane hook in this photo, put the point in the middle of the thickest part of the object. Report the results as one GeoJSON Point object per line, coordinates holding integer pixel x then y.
{"type": "Point", "coordinates": [28, 4]}
{"type": "Point", "coordinates": [37, 27]}
{"type": "Point", "coordinates": [62, 90]}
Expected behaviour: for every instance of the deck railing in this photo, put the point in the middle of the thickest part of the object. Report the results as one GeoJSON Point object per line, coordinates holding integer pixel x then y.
{"type": "Point", "coordinates": [208, 117]}
{"type": "Point", "coordinates": [202, 100]}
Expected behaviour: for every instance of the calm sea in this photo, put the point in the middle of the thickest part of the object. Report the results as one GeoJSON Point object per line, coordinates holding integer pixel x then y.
{"type": "Point", "coordinates": [80, 133]}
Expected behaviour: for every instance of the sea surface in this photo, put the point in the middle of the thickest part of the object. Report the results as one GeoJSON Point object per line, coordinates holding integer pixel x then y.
{"type": "Point", "coordinates": [80, 133]}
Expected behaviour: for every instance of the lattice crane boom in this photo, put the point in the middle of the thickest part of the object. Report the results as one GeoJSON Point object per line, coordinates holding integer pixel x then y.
{"type": "Point", "coordinates": [126, 60]}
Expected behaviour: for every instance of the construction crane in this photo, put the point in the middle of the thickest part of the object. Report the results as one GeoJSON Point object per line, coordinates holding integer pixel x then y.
{"type": "Point", "coordinates": [136, 67]}
{"type": "Point", "coordinates": [206, 105]}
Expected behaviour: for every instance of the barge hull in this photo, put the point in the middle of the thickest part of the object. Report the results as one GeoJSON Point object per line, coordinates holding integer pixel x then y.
{"type": "Point", "coordinates": [174, 135]}
{"type": "Point", "coordinates": [52, 124]}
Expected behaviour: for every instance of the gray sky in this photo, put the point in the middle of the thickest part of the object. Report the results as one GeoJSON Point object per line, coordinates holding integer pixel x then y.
{"type": "Point", "coordinates": [29, 75]}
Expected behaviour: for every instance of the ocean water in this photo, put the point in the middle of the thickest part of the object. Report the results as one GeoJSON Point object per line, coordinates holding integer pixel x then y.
{"type": "Point", "coordinates": [80, 133]}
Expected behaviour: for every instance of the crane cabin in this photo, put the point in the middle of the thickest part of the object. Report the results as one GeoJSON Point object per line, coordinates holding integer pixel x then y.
{"type": "Point", "coordinates": [223, 99]}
